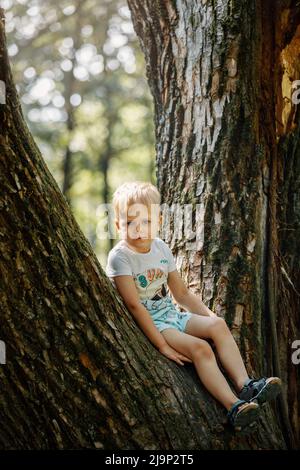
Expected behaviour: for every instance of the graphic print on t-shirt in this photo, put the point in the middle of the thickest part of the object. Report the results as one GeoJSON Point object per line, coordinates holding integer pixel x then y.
{"type": "Point", "coordinates": [150, 281]}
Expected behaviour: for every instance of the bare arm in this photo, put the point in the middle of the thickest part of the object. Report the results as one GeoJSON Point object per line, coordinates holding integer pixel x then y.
{"type": "Point", "coordinates": [185, 298]}
{"type": "Point", "coordinates": [127, 289]}
{"type": "Point", "coordinates": [126, 286]}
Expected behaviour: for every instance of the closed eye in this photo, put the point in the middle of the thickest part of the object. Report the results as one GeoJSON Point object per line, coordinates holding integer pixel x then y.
{"type": "Point", "coordinates": [145, 222]}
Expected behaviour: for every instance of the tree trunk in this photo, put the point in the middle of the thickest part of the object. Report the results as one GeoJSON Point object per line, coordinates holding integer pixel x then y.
{"type": "Point", "coordinates": [79, 372]}
{"type": "Point", "coordinates": [227, 142]}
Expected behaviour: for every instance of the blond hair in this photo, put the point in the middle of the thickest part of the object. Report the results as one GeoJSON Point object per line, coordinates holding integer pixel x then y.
{"type": "Point", "coordinates": [134, 192]}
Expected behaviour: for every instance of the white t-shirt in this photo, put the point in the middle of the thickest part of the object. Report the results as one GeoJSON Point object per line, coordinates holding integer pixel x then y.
{"type": "Point", "coordinates": [149, 270]}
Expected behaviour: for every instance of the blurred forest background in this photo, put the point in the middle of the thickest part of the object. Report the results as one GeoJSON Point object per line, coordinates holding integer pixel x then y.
{"type": "Point", "coordinates": [80, 75]}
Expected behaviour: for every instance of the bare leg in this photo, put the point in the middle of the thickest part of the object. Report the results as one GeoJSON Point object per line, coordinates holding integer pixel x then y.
{"type": "Point", "coordinates": [216, 329]}
{"type": "Point", "coordinates": [205, 363]}
{"type": "Point", "coordinates": [212, 378]}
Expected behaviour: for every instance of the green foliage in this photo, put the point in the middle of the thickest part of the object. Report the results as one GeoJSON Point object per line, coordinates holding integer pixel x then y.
{"type": "Point", "coordinates": [81, 78]}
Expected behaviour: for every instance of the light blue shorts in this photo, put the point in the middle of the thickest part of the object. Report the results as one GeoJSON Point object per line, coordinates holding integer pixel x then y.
{"type": "Point", "coordinates": [166, 314]}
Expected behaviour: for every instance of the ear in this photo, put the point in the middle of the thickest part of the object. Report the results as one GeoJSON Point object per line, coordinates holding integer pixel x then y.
{"type": "Point", "coordinates": [117, 224]}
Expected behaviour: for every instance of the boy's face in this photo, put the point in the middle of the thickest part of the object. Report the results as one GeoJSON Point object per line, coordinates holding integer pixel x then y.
{"type": "Point", "coordinates": [140, 225]}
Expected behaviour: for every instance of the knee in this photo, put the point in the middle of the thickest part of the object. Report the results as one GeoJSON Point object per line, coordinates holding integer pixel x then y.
{"type": "Point", "coordinates": [218, 326]}
{"type": "Point", "coordinates": [202, 348]}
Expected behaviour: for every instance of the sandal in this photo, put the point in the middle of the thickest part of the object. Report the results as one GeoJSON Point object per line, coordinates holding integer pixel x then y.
{"type": "Point", "coordinates": [243, 414]}
{"type": "Point", "coordinates": [262, 390]}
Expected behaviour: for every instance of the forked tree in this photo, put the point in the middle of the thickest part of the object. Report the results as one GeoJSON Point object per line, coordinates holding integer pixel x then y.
{"type": "Point", "coordinates": [79, 371]}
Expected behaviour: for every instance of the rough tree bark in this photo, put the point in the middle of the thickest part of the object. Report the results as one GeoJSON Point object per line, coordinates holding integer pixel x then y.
{"type": "Point", "coordinates": [79, 371]}
{"type": "Point", "coordinates": [227, 134]}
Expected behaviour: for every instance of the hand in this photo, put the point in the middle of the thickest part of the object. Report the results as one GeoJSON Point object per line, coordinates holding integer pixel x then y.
{"type": "Point", "coordinates": [171, 353]}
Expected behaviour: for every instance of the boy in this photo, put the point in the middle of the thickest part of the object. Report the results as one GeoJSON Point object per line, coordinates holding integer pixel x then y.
{"type": "Point", "coordinates": [140, 266]}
